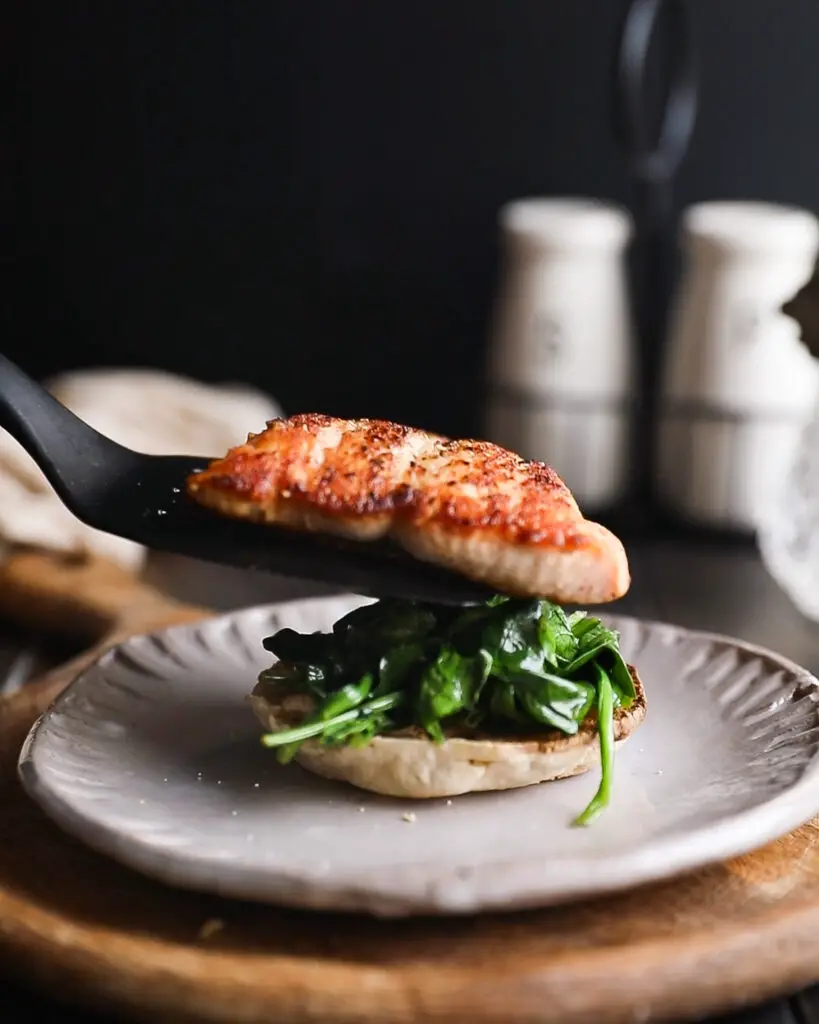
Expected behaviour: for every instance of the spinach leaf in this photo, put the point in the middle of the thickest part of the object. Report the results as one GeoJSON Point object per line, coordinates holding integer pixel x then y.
{"type": "Point", "coordinates": [407, 623]}
{"type": "Point", "coordinates": [511, 636]}
{"type": "Point", "coordinates": [283, 673]}
{"type": "Point", "coordinates": [586, 655]}
{"type": "Point", "coordinates": [554, 701]}
{"type": "Point", "coordinates": [451, 684]}
{"type": "Point", "coordinates": [530, 638]}
{"type": "Point", "coordinates": [312, 679]}
{"type": "Point", "coordinates": [358, 618]}
{"type": "Point", "coordinates": [582, 622]}
{"type": "Point", "coordinates": [621, 679]}
{"type": "Point", "coordinates": [466, 632]}
{"type": "Point", "coordinates": [397, 665]}
{"type": "Point", "coordinates": [385, 623]}
{"type": "Point", "coordinates": [597, 642]}
{"type": "Point", "coordinates": [555, 634]}
{"type": "Point", "coordinates": [289, 645]}
{"type": "Point", "coordinates": [502, 702]}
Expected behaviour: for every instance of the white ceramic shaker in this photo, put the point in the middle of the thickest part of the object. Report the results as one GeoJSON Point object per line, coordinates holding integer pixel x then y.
{"type": "Point", "coordinates": [560, 371]}
{"type": "Point", "coordinates": [737, 385]}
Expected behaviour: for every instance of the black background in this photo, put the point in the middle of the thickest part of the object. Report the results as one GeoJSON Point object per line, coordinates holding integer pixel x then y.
{"type": "Point", "coordinates": [303, 193]}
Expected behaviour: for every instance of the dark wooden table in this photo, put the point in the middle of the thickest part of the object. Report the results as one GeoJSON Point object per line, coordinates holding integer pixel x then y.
{"type": "Point", "coordinates": [719, 586]}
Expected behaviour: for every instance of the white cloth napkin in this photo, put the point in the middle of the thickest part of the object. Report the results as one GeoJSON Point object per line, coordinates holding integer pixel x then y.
{"type": "Point", "coordinates": [151, 411]}
{"type": "Point", "coordinates": [788, 535]}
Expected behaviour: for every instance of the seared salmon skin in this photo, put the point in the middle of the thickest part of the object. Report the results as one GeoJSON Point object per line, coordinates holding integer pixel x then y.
{"type": "Point", "coordinates": [469, 506]}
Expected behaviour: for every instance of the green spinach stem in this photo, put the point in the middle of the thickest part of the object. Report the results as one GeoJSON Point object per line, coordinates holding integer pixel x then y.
{"type": "Point", "coordinates": [605, 730]}
{"type": "Point", "coordinates": [311, 729]}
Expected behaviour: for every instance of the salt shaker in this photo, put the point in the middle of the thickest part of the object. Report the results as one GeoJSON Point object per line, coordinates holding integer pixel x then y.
{"type": "Point", "coordinates": [737, 385]}
{"type": "Point", "coordinates": [561, 356]}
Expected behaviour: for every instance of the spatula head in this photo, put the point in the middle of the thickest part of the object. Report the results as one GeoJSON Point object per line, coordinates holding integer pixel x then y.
{"type": "Point", "coordinates": [142, 498]}
{"type": "Point", "coordinates": [145, 501]}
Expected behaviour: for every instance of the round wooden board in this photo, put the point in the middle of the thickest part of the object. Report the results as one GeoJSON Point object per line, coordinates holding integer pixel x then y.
{"type": "Point", "coordinates": [88, 930]}
{"type": "Point", "coordinates": [93, 931]}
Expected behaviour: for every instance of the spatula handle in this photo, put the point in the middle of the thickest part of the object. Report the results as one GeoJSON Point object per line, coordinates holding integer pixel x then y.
{"type": "Point", "coordinates": [67, 450]}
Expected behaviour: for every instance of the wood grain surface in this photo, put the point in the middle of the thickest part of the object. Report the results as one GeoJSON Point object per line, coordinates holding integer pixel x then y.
{"type": "Point", "coordinates": [94, 932]}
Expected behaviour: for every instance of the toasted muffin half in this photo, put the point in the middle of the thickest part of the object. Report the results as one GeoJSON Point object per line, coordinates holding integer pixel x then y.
{"type": "Point", "coordinates": [410, 765]}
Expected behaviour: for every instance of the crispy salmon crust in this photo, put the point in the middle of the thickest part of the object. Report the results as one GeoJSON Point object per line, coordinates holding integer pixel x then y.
{"type": "Point", "coordinates": [469, 506]}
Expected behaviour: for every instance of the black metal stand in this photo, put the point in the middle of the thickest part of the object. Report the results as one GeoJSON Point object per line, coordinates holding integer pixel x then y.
{"type": "Point", "coordinates": [654, 142]}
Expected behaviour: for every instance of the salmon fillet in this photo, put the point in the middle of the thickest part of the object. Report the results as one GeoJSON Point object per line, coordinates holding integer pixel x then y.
{"type": "Point", "coordinates": [469, 506]}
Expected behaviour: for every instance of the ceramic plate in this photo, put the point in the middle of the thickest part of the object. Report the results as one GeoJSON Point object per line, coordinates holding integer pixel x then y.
{"type": "Point", "coordinates": [153, 757]}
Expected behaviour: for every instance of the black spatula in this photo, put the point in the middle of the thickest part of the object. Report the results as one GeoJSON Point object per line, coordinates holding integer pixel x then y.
{"type": "Point", "coordinates": [142, 498]}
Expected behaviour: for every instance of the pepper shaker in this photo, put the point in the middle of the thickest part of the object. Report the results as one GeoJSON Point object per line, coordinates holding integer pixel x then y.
{"type": "Point", "coordinates": [561, 361]}
{"type": "Point", "coordinates": [737, 385]}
